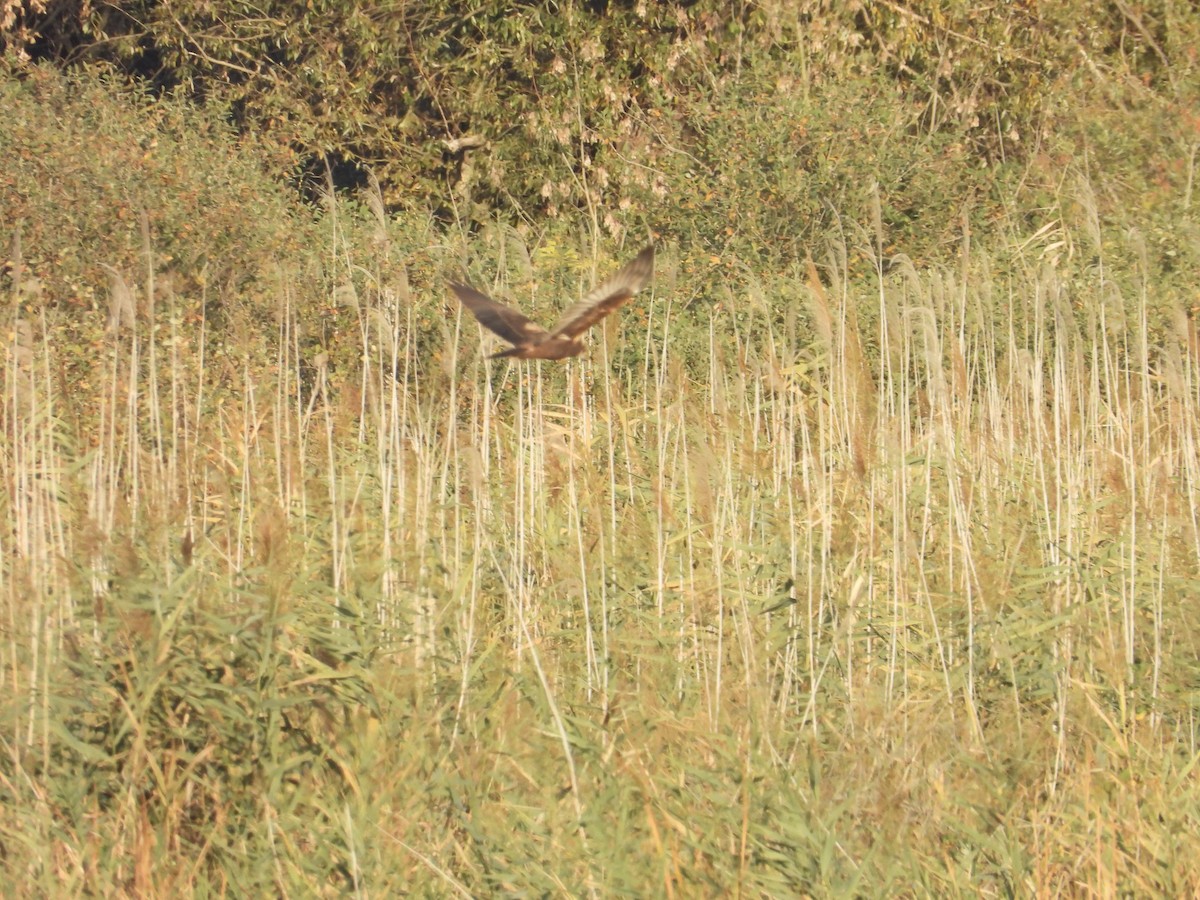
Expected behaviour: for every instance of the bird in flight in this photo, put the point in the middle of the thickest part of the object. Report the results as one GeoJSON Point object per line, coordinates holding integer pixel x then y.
{"type": "Point", "coordinates": [530, 340]}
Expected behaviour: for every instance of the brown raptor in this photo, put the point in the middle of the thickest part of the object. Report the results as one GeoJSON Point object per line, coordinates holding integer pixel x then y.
{"type": "Point", "coordinates": [530, 340]}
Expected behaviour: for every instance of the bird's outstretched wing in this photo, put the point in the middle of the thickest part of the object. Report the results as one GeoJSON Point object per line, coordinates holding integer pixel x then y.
{"type": "Point", "coordinates": [510, 324]}
{"type": "Point", "coordinates": [611, 295]}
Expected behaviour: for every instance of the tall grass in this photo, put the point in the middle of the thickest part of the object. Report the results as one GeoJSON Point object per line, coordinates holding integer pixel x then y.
{"type": "Point", "coordinates": [842, 584]}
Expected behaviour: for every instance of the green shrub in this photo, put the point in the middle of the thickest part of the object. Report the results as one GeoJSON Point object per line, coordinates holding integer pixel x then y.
{"type": "Point", "coordinates": [737, 126]}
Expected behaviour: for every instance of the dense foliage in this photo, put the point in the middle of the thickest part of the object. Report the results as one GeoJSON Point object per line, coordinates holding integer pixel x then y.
{"type": "Point", "coordinates": [737, 125]}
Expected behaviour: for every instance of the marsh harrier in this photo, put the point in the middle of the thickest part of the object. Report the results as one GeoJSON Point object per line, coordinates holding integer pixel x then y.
{"type": "Point", "coordinates": [531, 341]}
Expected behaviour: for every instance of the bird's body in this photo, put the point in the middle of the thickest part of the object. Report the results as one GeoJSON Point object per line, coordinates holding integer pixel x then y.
{"type": "Point", "coordinates": [531, 341]}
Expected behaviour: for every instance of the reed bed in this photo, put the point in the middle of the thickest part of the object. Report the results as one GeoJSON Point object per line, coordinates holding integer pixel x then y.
{"type": "Point", "coordinates": [849, 580]}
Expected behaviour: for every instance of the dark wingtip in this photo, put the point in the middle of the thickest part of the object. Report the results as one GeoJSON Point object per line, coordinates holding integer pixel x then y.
{"type": "Point", "coordinates": [645, 259]}
{"type": "Point", "coordinates": [643, 266]}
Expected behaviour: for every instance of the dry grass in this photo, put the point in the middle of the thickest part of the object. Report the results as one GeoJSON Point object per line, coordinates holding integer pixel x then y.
{"type": "Point", "coordinates": [905, 608]}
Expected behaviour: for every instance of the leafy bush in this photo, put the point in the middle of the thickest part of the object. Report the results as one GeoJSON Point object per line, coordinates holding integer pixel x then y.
{"type": "Point", "coordinates": [97, 174]}
{"type": "Point", "coordinates": [701, 120]}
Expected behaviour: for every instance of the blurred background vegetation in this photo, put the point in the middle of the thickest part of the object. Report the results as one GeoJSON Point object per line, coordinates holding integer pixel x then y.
{"type": "Point", "coordinates": [742, 126]}
{"type": "Point", "coordinates": [300, 597]}
{"type": "Point", "coordinates": [745, 134]}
